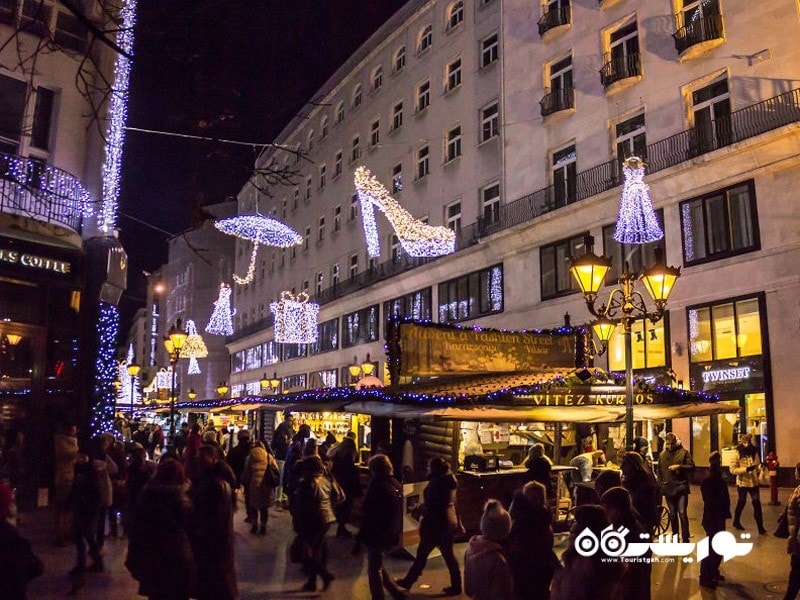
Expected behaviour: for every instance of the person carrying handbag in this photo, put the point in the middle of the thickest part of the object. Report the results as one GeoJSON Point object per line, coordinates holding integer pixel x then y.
{"type": "Point", "coordinates": [746, 466]}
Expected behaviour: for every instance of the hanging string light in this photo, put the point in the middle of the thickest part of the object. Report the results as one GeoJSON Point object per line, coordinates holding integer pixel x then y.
{"type": "Point", "coordinates": [194, 367]}
{"type": "Point", "coordinates": [636, 223]}
{"type": "Point", "coordinates": [194, 346]}
{"type": "Point", "coordinates": [221, 321]}
{"type": "Point", "coordinates": [295, 319]}
{"type": "Point", "coordinates": [102, 419]}
{"type": "Point", "coordinates": [416, 238]}
{"type": "Point", "coordinates": [260, 230]}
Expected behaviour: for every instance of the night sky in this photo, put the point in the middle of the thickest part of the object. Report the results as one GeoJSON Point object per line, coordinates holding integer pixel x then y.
{"type": "Point", "coordinates": [227, 70]}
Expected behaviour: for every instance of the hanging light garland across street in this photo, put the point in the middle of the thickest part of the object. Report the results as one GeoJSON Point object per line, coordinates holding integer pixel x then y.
{"type": "Point", "coordinates": [295, 319]}
{"type": "Point", "coordinates": [636, 222]}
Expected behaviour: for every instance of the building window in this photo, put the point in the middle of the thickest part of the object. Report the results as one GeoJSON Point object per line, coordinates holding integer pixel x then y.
{"type": "Point", "coordinates": [323, 127]}
{"type": "Point", "coordinates": [327, 337]}
{"type": "Point", "coordinates": [565, 176]}
{"type": "Point", "coordinates": [375, 133]}
{"type": "Point", "coordinates": [455, 14]}
{"type": "Point", "coordinates": [355, 150]}
{"type": "Point", "coordinates": [321, 228]}
{"type": "Point", "coordinates": [339, 113]}
{"type": "Point", "coordinates": [489, 50]}
{"type": "Point", "coordinates": [14, 95]}
{"type": "Point", "coordinates": [711, 115]}
{"type": "Point", "coordinates": [453, 143]}
{"type": "Point", "coordinates": [308, 188]}
{"type": "Point", "coordinates": [306, 238]}
{"type": "Point", "coordinates": [319, 279]}
{"type": "Point", "coordinates": [397, 116]}
{"type": "Point", "coordinates": [323, 171]}
{"type": "Point", "coordinates": [423, 95]}
{"type": "Point", "coordinates": [630, 138]}
{"type": "Point", "coordinates": [423, 162]}
{"type": "Point", "coordinates": [42, 118]}
{"type": "Point", "coordinates": [397, 179]}
{"type": "Point", "coordinates": [291, 352]}
{"type": "Point", "coordinates": [399, 60]}
{"type": "Point", "coordinates": [490, 121]}
{"type": "Point", "coordinates": [490, 204]}
{"type": "Point", "coordinates": [416, 305]}
{"type": "Point", "coordinates": [725, 330]}
{"type": "Point", "coordinates": [622, 58]}
{"type": "Point", "coordinates": [560, 93]}
{"type": "Point", "coordinates": [372, 263]}
{"type": "Point", "coordinates": [452, 216]}
{"type": "Point", "coordinates": [337, 218]}
{"type": "Point", "coordinates": [335, 275]}
{"type": "Point", "coordinates": [698, 21]}
{"type": "Point", "coordinates": [425, 38]}
{"type": "Point", "coordinates": [649, 344]}
{"type": "Point", "coordinates": [357, 94]}
{"type": "Point", "coordinates": [360, 327]}
{"type": "Point", "coordinates": [353, 207]}
{"type": "Point", "coordinates": [638, 256]}
{"type": "Point", "coordinates": [452, 75]}
{"type": "Point", "coordinates": [720, 224]}
{"type": "Point", "coordinates": [296, 198]}
{"type": "Point", "coordinates": [555, 260]}
{"type": "Point", "coordinates": [284, 205]}
{"type": "Point", "coordinates": [310, 141]}
{"type": "Point", "coordinates": [395, 249]}
{"type": "Point", "coordinates": [470, 296]}
{"type": "Point", "coordinates": [353, 266]}
{"type": "Point", "coordinates": [377, 79]}
{"type": "Point", "coordinates": [337, 164]}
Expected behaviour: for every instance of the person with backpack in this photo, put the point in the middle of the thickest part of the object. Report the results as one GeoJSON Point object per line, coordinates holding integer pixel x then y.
{"type": "Point", "coordinates": [381, 524]}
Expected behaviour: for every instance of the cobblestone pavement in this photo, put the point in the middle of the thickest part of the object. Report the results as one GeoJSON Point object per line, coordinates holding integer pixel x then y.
{"type": "Point", "coordinates": [264, 572]}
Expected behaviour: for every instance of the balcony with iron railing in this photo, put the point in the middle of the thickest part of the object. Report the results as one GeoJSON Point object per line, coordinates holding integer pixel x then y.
{"type": "Point", "coordinates": [557, 100]}
{"type": "Point", "coordinates": [706, 29]}
{"type": "Point", "coordinates": [32, 188]}
{"type": "Point", "coordinates": [620, 67]}
{"type": "Point", "coordinates": [743, 124]}
{"type": "Point", "coordinates": [555, 17]}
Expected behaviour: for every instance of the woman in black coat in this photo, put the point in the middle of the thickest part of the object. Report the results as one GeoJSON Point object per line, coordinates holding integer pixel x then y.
{"type": "Point", "coordinates": [312, 518]}
{"type": "Point", "coordinates": [381, 523]}
{"type": "Point", "coordinates": [540, 468]}
{"type": "Point", "coordinates": [531, 541]}
{"type": "Point", "coordinates": [643, 488]}
{"type": "Point", "coordinates": [438, 525]}
{"type": "Point", "coordinates": [163, 522]}
{"type": "Point", "coordinates": [345, 472]}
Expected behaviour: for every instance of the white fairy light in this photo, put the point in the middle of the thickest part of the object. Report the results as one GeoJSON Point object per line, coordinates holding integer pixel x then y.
{"type": "Point", "coordinates": [416, 238]}
{"type": "Point", "coordinates": [194, 346]}
{"type": "Point", "coordinates": [295, 319]}
{"type": "Point", "coordinates": [221, 321]}
{"type": "Point", "coordinates": [636, 223]}
{"type": "Point", "coordinates": [194, 367]}
{"type": "Point", "coordinates": [118, 116]}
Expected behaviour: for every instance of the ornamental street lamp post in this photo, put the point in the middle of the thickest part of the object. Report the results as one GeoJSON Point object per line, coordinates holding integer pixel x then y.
{"type": "Point", "coordinates": [133, 371]}
{"type": "Point", "coordinates": [624, 305]}
{"type": "Point", "coordinates": [174, 341]}
{"type": "Point", "coordinates": [358, 370]}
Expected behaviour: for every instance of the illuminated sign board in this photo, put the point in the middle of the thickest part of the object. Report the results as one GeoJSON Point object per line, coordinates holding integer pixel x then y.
{"type": "Point", "coordinates": [734, 374]}
{"type": "Point", "coordinates": [34, 261]}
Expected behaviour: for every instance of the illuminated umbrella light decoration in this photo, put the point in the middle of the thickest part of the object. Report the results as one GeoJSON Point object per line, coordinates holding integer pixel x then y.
{"type": "Point", "coordinates": [636, 223]}
{"type": "Point", "coordinates": [221, 321]}
{"type": "Point", "coordinates": [193, 348]}
{"type": "Point", "coordinates": [260, 230]}
{"type": "Point", "coordinates": [295, 319]}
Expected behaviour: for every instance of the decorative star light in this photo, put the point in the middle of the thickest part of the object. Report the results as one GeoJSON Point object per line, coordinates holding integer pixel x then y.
{"type": "Point", "coordinates": [194, 346]}
{"type": "Point", "coordinates": [260, 230]}
{"type": "Point", "coordinates": [416, 237]}
{"type": "Point", "coordinates": [295, 319]}
{"type": "Point", "coordinates": [636, 223]}
{"type": "Point", "coordinates": [118, 116]}
{"type": "Point", "coordinates": [221, 321]}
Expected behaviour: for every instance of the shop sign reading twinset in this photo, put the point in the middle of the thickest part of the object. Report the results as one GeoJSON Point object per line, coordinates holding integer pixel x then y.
{"type": "Point", "coordinates": [740, 375]}
{"type": "Point", "coordinates": [584, 397]}
{"type": "Point", "coordinates": [35, 261]}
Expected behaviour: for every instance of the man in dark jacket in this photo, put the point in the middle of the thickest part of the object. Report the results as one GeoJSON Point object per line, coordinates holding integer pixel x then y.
{"type": "Point", "coordinates": [438, 525]}
{"type": "Point", "coordinates": [675, 463]}
{"type": "Point", "coordinates": [236, 458]}
{"type": "Point", "coordinates": [281, 440]}
{"type": "Point", "coordinates": [381, 524]}
{"type": "Point", "coordinates": [716, 510]}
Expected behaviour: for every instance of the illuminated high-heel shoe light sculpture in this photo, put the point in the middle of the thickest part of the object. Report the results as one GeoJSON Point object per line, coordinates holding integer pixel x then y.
{"type": "Point", "coordinates": [416, 237]}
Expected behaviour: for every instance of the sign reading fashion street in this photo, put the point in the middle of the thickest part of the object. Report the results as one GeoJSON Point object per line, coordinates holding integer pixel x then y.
{"type": "Point", "coordinates": [33, 261]}
{"type": "Point", "coordinates": [441, 350]}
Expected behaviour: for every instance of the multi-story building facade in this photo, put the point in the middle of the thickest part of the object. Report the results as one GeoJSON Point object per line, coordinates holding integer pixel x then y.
{"type": "Point", "coordinates": [524, 156]}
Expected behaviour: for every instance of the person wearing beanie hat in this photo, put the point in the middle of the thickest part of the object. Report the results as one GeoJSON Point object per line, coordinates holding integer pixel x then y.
{"type": "Point", "coordinates": [487, 575]}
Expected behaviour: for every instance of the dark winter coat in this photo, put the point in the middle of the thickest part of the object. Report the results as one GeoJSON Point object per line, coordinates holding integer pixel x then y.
{"type": "Point", "coordinates": [84, 498]}
{"type": "Point", "coordinates": [160, 554]}
{"type": "Point", "coordinates": [539, 469]}
{"type": "Point", "coordinates": [237, 457]}
{"type": "Point", "coordinates": [18, 563]}
{"type": "Point", "coordinates": [439, 510]}
{"type": "Point", "coordinates": [675, 483]}
{"type": "Point", "coordinates": [213, 535]}
{"type": "Point", "coordinates": [259, 494]}
{"type": "Point", "coordinates": [530, 548]}
{"type": "Point", "coordinates": [345, 471]}
{"type": "Point", "coordinates": [281, 440]}
{"type": "Point", "coordinates": [716, 502]}
{"type": "Point", "coordinates": [382, 513]}
{"type": "Point", "coordinates": [646, 499]}
{"type": "Point", "coordinates": [313, 506]}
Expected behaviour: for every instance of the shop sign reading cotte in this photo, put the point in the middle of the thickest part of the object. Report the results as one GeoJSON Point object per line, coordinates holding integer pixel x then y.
{"type": "Point", "coordinates": [33, 261]}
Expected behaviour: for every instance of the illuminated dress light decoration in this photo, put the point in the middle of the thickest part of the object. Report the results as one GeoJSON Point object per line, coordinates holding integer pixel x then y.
{"type": "Point", "coordinates": [124, 378]}
{"type": "Point", "coordinates": [102, 420]}
{"type": "Point", "coordinates": [118, 116]}
{"type": "Point", "coordinates": [221, 321]}
{"type": "Point", "coordinates": [295, 319]}
{"type": "Point", "coordinates": [417, 238]}
{"type": "Point", "coordinates": [636, 223]}
{"type": "Point", "coordinates": [193, 348]}
{"type": "Point", "coordinates": [260, 230]}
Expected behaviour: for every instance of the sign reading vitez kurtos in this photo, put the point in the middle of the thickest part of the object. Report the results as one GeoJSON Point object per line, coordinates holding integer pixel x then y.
{"type": "Point", "coordinates": [613, 396]}
{"type": "Point", "coordinates": [427, 350]}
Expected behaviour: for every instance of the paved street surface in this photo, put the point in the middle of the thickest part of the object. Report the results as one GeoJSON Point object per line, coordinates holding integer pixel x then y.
{"type": "Point", "coordinates": [263, 571]}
